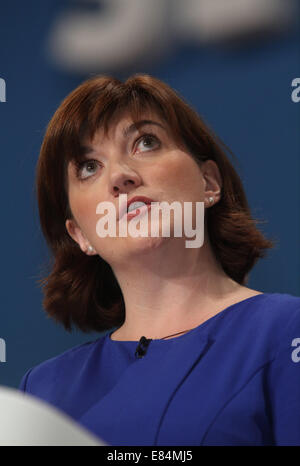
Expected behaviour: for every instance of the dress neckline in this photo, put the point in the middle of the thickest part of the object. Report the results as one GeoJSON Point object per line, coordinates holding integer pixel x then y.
{"type": "Point", "coordinates": [192, 331]}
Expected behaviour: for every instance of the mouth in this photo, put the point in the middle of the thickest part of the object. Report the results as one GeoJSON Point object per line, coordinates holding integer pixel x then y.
{"type": "Point", "coordinates": [136, 205]}
{"type": "Point", "coordinates": [139, 210]}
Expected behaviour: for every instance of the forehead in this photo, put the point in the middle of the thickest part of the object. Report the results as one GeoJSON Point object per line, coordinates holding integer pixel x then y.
{"type": "Point", "coordinates": [121, 126]}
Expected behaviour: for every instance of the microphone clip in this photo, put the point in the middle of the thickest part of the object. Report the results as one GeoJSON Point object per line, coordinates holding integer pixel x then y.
{"type": "Point", "coordinates": [142, 347]}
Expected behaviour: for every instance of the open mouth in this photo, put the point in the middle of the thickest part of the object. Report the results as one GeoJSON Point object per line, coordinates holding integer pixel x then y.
{"type": "Point", "coordinates": [135, 206]}
{"type": "Point", "coordinates": [138, 210]}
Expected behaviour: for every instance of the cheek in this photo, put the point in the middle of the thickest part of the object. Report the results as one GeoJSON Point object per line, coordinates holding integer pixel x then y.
{"type": "Point", "coordinates": [83, 206]}
{"type": "Point", "coordinates": [181, 176]}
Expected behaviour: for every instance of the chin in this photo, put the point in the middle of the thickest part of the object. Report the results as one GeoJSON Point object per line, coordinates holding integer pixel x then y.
{"type": "Point", "coordinates": [143, 244]}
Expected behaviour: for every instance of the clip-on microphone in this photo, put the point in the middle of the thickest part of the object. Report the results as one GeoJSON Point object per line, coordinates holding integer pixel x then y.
{"type": "Point", "coordinates": [142, 347]}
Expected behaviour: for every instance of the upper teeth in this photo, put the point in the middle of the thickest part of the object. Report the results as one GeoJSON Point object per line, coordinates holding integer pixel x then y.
{"type": "Point", "coordinates": [135, 205]}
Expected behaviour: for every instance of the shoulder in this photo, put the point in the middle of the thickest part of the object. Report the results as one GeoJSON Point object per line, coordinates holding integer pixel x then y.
{"type": "Point", "coordinates": [65, 365]}
{"type": "Point", "coordinates": [266, 323]}
{"type": "Point", "coordinates": [275, 309]}
{"type": "Point", "coordinates": [265, 311]}
{"type": "Point", "coordinates": [258, 327]}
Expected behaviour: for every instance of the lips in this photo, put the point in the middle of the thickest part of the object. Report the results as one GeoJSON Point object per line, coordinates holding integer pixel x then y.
{"type": "Point", "coordinates": [144, 199]}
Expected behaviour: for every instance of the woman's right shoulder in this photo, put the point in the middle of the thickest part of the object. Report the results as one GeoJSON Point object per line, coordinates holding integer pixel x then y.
{"type": "Point", "coordinates": [65, 365]}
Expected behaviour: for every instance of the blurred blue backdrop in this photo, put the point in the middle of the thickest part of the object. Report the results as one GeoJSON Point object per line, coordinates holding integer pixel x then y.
{"type": "Point", "coordinates": [242, 91]}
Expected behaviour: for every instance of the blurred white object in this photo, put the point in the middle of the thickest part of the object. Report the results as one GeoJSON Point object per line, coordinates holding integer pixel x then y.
{"type": "Point", "coordinates": [218, 20]}
{"type": "Point", "coordinates": [127, 33]}
{"type": "Point", "coordinates": [27, 421]}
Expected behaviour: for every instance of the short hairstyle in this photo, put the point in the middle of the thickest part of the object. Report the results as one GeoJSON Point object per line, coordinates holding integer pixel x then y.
{"type": "Point", "coordinates": [82, 290]}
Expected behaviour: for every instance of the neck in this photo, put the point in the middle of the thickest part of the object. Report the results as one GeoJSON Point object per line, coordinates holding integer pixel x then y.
{"type": "Point", "coordinates": [171, 289]}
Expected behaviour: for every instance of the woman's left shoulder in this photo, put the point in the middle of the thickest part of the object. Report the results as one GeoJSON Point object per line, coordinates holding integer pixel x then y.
{"type": "Point", "coordinates": [270, 323]}
{"type": "Point", "coordinates": [282, 303]}
{"type": "Point", "coordinates": [283, 298]}
{"type": "Point", "coordinates": [277, 311]}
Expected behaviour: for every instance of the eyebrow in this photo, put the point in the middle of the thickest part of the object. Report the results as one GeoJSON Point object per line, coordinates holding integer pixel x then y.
{"type": "Point", "coordinates": [136, 126]}
{"type": "Point", "coordinates": [127, 132]}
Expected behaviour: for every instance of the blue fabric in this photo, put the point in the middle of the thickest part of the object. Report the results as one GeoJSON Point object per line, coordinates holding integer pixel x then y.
{"type": "Point", "coordinates": [233, 380]}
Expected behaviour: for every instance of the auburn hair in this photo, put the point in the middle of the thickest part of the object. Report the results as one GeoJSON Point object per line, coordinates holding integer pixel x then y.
{"type": "Point", "coordinates": [82, 290]}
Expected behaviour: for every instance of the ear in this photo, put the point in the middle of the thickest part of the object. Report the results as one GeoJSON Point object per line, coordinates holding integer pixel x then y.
{"type": "Point", "coordinates": [77, 235]}
{"type": "Point", "coordinates": [212, 181]}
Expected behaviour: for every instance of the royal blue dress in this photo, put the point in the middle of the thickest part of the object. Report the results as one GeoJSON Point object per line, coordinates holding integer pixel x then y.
{"type": "Point", "coordinates": [233, 380]}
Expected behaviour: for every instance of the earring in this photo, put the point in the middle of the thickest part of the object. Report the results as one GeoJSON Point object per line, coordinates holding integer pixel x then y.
{"type": "Point", "coordinates": [211, 199]}
{"type": "Point", "coordinates": [90, 249]}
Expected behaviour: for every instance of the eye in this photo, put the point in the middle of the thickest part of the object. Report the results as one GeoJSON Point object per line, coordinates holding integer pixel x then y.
{"type": "Point", "coordinates": [147, 142]}
{"type": "Point", "coordinates": [86, 169]}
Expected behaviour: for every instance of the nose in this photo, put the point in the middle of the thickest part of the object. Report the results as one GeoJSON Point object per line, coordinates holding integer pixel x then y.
{"type": "Point", "coordinates": [122, 178]}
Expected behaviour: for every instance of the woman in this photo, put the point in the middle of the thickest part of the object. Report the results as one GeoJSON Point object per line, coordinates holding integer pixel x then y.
{"type": "Point", "coordinates": [218, 361]}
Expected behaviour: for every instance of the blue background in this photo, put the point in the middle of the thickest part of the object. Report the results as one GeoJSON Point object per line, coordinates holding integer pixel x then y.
{"type": "Point", "coordinates": [244, 94]}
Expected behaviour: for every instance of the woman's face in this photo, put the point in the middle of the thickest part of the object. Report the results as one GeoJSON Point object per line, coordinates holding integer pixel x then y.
{"type": "Point", "coordinates": [137, 161]}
